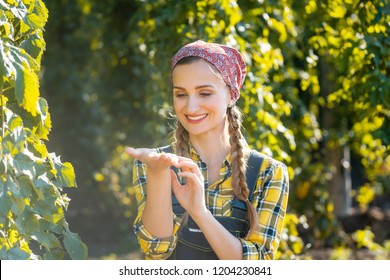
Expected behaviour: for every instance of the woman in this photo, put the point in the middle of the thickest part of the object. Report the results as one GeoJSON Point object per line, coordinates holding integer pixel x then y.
{"type": "Point", "coordinates": [207, 195]}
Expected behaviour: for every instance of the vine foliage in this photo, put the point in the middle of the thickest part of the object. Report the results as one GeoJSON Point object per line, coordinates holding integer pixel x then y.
{"type": "Point", "coordinates": [32, 204]}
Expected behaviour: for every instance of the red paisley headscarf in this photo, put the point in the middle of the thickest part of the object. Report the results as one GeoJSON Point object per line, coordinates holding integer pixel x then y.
{"type": "Point", "coordinates": [227, 60]}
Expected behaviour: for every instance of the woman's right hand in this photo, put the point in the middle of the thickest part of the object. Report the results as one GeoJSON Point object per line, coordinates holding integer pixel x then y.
{"type": "Point", "coordinates": [156, 162]}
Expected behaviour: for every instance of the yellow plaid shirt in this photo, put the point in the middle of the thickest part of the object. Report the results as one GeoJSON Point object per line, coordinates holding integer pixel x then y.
{"type": "Point", "coordinates": [269, 198]}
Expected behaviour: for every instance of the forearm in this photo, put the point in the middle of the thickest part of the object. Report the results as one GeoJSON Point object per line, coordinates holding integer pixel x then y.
{"type": "Point", "coordinates": [157, 216]}
{"type": "Point", "coordinates": [224, 244]}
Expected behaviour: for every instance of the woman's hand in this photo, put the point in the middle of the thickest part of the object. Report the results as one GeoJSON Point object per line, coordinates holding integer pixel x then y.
{"type": "Point", "coordinates": [191, 196]}
{"type": "Point", "coordinates": [156, 162]}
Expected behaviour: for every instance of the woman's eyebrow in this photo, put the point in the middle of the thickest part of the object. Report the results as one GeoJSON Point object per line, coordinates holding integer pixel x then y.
{"type": "Point", "coordinates": [204, 86]}
{"type": "Point", "coordinates": [197, 87]}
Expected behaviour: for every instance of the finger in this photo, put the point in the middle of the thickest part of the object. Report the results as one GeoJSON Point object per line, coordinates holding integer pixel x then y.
{"type": "Point", "coordinates": [188, 166]}
{"type": "Point", "coordinates": [191, 176]}
{"type": "Point", "coordinates": [135, 153]}
{"type": "Point", "coordinates": [180, 158]}
{"type": "Point", "coordinates": [144, 154]}
{"type": "Point", "coordinates": [173, 158]}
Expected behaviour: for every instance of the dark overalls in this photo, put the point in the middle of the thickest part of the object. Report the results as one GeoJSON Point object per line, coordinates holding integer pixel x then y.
{"type": "Point", "coordinates": [192, 244]}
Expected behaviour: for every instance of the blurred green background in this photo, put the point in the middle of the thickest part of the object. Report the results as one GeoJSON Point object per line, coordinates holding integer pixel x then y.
{"type": "Point", "coordinates": [316, 97]}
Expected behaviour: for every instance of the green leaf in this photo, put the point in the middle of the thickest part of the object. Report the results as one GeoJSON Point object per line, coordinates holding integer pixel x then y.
{"type": "Point", "coordinates": [3, 166]}
{"type": "Point", "coordinates": [15, 253]}
{"type": "Point", "coordinates": [11, 186]}
{"type": "Point", "coordinates": [77, 250]}
{"type": "Point", "coordinates": [38, 16]}
{"type": "Point", "coordinates": [35, 22]}
{"type": "Point", "coordinates": [26, 80]}
{"type": "Point", "coordinates": [27, 88]}
{"type": "Point", "coordinates": [45, 208]}
{"type": "Point", "coordinates": [18, 206]}
{"type": "Point", "coordinates": [5, 203]}
{"type": "Point", "coordinates": [54, 254]}
{"type": "Point", "coordinates": [43, 184]}
{"type": "Point", "coordinates": [3, 253]}
{"type": "Point", "coordinates": [56, 217]}
{"type": "Point", "coordinates": [44, 125]}
{"type": "Point", "coordinates": [6, 67]}
{"type": "Point", "coordinates": [27, 222]}
{"type": "Point", "coordinates": [24, 165]}
{"type": "Point", "coordinates": [19, 11]}
{"type": "Point", "coordinates": [47, 239]}
{"type": "Point", "coordinates": [26, 187]}
{"type": "Point", "coordinates": [49, 226]}
{"type": "Point", "coordinates": [34, 46]}
{"type": "Point", "coordinates": [8, 28]}
{"type": "Point", "coordinates": [14, 122]}
{"type": "Point", "coordinates": [65, 174]}
{"type": "Point", "coordinates": [14, 141]}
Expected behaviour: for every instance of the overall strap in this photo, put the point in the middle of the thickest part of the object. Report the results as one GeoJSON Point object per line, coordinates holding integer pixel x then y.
{"type": "Point", "coordinates": [252, 171]}
{"type": "Point", "coordinates": [255, 161]}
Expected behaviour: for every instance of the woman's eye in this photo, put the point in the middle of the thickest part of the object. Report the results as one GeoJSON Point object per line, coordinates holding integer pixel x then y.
{"type": "Point", "coordinates": [205, 93]}
{"type": "Point", "coordinates": [180, 95]}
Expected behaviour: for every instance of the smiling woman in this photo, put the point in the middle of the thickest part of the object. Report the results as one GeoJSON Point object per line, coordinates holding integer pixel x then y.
{"type": "Point", "coordinates": [200, 98]}
{"type": "Point", "coordinates": [207, 195]}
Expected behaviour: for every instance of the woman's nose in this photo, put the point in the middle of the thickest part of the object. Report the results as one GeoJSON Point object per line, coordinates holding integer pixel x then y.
{"type": "Point", "coordinates": [193, 104]}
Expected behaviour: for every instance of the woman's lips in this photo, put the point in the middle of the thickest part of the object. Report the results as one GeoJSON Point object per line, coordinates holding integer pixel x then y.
{"type": "Point", "coordinates": [196, 119]}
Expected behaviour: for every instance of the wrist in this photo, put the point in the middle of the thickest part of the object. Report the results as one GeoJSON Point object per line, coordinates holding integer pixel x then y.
{"type": "Point", "coordinates": [201, 215]}
{"type": "Point", "coordinates": [159, 172]}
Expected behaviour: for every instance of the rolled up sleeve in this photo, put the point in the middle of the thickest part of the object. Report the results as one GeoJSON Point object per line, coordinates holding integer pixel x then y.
{"type": "Point", "coordinates": [154, 248]}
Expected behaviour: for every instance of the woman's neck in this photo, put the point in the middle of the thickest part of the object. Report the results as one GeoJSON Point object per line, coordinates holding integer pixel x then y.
{"type": "Point", "coordinates": [213, 146]}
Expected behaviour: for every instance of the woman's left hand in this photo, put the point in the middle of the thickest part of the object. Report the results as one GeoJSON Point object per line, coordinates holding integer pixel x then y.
{"type": "Point", "coordinates": [191, 195]}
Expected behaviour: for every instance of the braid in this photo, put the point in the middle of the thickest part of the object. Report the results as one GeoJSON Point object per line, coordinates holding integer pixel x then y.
{"type": "Point", "coordinates": [182, 139]}
{"type": "Point", "coordinates": [240, 188]}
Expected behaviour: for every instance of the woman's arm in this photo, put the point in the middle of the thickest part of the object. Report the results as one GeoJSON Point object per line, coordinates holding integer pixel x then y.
{"type": "Point", "coordinates": [152, 187]}
{"type": "Point", "coordinates": [158, 214]}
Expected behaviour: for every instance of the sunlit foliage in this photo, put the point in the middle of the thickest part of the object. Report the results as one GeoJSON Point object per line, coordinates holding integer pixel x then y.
{"type": "Point", "coordinates": [316, 94]}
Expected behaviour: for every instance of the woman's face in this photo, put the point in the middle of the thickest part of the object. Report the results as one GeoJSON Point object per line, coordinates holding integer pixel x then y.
{"type": "Point", "coordinates": [200, 97]}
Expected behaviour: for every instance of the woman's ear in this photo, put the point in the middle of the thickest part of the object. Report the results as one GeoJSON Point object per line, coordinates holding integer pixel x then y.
{"type": "Point", "coordinates": [231, 103]}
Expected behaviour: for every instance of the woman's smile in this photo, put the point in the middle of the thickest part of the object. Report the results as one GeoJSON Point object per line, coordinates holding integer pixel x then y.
{"type": "Point", "coordinates": [195, 119]}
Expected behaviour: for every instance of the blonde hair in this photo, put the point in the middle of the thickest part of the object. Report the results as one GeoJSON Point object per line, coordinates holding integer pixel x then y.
{"type": "Point", "coordinates": [237, 151]}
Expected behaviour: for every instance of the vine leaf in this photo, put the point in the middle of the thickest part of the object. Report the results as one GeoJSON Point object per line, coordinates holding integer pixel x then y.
{"type": "Point", "coordinates": [76, 249]}
{"type": "Point", "coordinates": [65, 174]}
{"type": "Point", "coordinates": [16, 253]}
